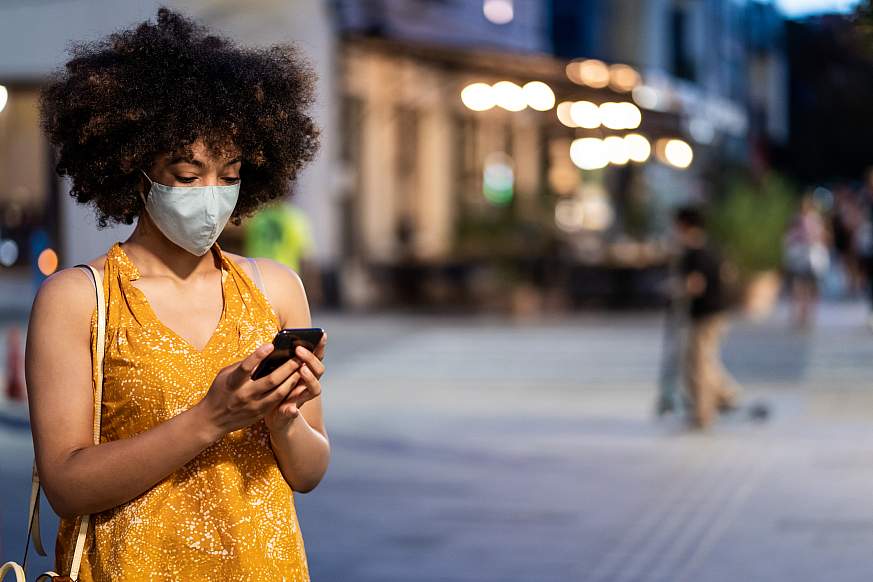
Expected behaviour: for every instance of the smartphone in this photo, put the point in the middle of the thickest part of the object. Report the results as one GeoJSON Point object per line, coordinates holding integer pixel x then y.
{"type": "Point", "coordinates": [286, 342]}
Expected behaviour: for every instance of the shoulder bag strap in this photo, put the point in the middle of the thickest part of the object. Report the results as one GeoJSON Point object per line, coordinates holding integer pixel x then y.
{"type": "Point", "coordinates": [98, 400]}
{"type": "Point", "coordinates": [33, 529]}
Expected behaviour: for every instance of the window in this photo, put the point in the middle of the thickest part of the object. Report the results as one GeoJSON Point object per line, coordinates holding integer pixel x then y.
{"type": "Point", "coordinates": [682, 63]}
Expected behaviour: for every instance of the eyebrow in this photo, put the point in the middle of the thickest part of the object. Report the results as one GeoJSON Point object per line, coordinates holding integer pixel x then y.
{"type": "Point", "coordinates": [198, 163]}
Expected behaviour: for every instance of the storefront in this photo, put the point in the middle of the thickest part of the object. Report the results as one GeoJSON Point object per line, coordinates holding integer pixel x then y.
{"type": "Point", "coordinates": [477, 176]}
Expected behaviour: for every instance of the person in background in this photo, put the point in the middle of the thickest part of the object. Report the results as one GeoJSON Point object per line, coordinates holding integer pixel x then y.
{"type": "Point", "coordinates": [846, 222]}
{"type": "Point", "coordinates": [702, 277]}
{"type": "Point", "coordinates": [806, 260]}
{"type": "Point", "coordinates": [864, 238]}
{"type": "Point", "coordinates": [281, 232]}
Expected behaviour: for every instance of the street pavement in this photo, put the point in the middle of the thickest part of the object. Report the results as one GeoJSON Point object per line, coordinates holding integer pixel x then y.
{"type": "Point", "coordinates": [483, 449]}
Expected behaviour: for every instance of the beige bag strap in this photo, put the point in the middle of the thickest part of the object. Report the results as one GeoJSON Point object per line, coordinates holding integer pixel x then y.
{"type": "Point", "coordinates": [33, 516]}
{"type": "Point", "coordinates": [33, 513]}
{"type": "Point", "coordinates": [15, 569]}
{"type": "Point", "coordinates": [98, 400]}
{"type": "Point", "coordinates": [19, 573]}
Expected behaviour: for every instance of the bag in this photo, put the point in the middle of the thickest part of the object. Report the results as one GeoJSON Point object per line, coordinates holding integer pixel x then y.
{"type": "Point", "coordinates": [33, 514]}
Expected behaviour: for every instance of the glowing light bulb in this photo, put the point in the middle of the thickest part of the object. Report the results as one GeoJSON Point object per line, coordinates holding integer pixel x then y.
{"type": "Point", "coordinates": [47, 262]}
{"type": "Point", "coordinates": [585, 114]}
{"type": "Point", "coordinates": [678, 153]}
{"type": "Point", "coordinates": [498, 11]}
{"type": "Point", "coordinates": [509, 96]}
{"type": "Point", "coordinates": [617, 150]}
{"type": "Point", "coordinates": [623, 78]}
{"type": "Point", "coordinates": [478, 97]}
{"type": "Point", "coordinates": [639, 148]}
{"type": "Point", "coordinates": [564, 115]}
{"type": "Point", "coordinates": [589, 153]}
{"type": "Point", "coordinates": [539, 96]}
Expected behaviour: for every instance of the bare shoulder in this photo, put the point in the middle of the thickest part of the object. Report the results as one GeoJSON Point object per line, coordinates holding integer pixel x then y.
{"type": "Point", "coordinates": [283, 287]}
{"type": "Point", "coordinates": [66, 296]}
{"type": "Point", "coordinates": [271, 271]}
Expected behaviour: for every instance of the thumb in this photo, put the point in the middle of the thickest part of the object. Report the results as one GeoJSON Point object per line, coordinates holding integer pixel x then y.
{"type": "Point", "coordinates": [245, 368]}
{"type": "Point", "coordinates": [289, 410]}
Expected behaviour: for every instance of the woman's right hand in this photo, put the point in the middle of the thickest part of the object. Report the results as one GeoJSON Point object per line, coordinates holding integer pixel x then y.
{"type": "Point", "coordinates": [236, 401]}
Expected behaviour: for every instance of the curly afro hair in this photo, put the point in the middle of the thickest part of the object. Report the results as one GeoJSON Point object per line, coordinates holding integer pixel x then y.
{"type": "Point", "coordinates": [155, 90]}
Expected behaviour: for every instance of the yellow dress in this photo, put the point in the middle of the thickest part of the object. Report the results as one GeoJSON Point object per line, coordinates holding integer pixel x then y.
{"type": "Point", "coordinates": [228, 514]}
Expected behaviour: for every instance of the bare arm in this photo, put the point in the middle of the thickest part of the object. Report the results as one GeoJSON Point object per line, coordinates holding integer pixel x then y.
{"type": "Point", "coordinates": [297, 432]}
{"type": "Point", "coordinates": [79, 477]}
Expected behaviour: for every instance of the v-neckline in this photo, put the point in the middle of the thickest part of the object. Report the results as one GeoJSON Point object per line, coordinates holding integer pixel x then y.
{"type": "Point", "coordinates": [132, 274]}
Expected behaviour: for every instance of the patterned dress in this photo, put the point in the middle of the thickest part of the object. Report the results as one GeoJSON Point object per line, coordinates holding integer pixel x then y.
{"type": "Point", "coordinates": [228, 514]}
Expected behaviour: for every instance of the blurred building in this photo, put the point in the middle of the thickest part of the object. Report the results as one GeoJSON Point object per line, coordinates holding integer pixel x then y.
{"type": "Point", "coordinates": [476, 152]}
{"type": "Point", "coordinates": [495, 144]}
{"type": "Point", "coordinates": [33, 42]}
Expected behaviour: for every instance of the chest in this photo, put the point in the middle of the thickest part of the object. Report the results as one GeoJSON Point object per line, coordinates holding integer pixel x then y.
{"type": "Point", "coordinates": [152, 372]}
{"type": "Point", "coordinates": [192, 311]}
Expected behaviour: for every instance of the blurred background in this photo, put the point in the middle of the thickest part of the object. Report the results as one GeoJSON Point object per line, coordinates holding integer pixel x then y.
{"type": "Point", "coordinates": [486, 234]}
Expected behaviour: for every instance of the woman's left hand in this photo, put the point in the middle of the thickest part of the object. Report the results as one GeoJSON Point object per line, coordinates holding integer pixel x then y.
{"type": "Point", "coordinates": [308, 387]}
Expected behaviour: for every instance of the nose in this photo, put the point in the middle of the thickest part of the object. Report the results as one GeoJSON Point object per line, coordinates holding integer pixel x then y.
{"type": "Point", "coordinates": [212, 179]}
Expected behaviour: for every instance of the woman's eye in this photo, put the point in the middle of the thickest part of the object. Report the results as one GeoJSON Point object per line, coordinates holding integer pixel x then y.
{"type": "Point", "coordinates": [185, 180]}
{"type": "Point", "coordinates": [231, 180]}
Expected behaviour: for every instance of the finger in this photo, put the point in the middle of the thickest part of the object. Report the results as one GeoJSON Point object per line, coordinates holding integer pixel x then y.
{"type": "Point", "coordinates": [277, 376]}
{"type": "Point", "coordinates": [280, 393]}
{"type": "Point", "coordinates": [302, 387]}
{"type": "Point", "coordinates": [320, 348]}
{"type": "Point", "coordinates": [289, 410]}
{"type": "Point", "coordinates": [311, 381]}
{"type": "Point", "coordinates": [310, 360]}
{"type": "Point", "coordinates": [298, 391]}
{"type": "Point", "coordinates": [245, 368]}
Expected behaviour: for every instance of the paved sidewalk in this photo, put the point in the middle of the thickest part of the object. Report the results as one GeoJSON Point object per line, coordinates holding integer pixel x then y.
{"type": "Point", "coordinates": [486, 450]}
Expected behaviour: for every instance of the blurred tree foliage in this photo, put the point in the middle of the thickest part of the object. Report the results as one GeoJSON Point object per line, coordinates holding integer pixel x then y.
{"type": "Point", "coordinates": [750, 221]}
{"type": "Point", "coordinates": [864, 20]}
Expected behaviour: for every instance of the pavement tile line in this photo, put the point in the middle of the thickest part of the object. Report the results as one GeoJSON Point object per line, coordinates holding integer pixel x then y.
{"type": "Point", "coordinates": [699, 521]}
{"type": "Point", "coordinates": [665, 547]}
{"type": "Point", "coordinates": [638, 547]}
{"type": "Point", "coordinates": [725, 518]}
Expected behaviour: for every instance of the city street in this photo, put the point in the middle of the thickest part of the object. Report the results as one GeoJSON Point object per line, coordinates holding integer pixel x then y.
{"type": "Point", "coordinates": [480, 449]}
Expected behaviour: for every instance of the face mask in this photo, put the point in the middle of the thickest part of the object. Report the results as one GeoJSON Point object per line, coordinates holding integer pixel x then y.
{"type": "Point", "coordinates": [191, 217]}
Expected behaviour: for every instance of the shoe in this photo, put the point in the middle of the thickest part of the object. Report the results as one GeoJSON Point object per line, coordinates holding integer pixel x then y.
{"type": "Point", "coordinates": [728, 405]}
{"type": "Point", "coordinates": [664, 406]}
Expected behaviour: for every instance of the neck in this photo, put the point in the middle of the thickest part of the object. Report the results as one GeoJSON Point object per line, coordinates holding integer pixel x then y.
{"type": "Point", "coordinates": [155, 255]}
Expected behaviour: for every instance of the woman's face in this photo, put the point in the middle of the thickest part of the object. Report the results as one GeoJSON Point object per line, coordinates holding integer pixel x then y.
{"type": "Point", "coordinates": [201, 169]}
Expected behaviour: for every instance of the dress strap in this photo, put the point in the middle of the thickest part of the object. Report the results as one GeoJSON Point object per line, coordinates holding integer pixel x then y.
{"type": "Point", "coordinates": [118, 261]}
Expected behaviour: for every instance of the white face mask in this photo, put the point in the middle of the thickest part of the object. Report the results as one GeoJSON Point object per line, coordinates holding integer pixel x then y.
{"type": "Point", "coordinates": [191, 217]}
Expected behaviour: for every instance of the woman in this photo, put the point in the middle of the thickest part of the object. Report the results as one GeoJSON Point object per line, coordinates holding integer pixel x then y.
{"type": "Point", "coordinates": [193, 477]}
{"type": "Point", "coordinates": [806, 260]}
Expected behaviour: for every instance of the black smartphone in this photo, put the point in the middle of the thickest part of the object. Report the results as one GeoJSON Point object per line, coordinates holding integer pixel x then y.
{"type": "Point", "coordinates": [286, 342]}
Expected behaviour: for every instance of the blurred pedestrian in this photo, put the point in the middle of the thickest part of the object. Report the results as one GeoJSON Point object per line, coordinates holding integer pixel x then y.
{"type": "Point", "coordinates": [846, 222]}
{"type": "Point", "coordinates": [703, 283]}
{"type": "Point", "coordinates": [193, 475]}
{"type": "Point", "coordinates": [671, 396]}
{"type": "Point", "coordinates": [864, 239]}
{"type": "Point", "coordinates": [806, 260]}
{"type": "Point", "coordinates": [282, 232]}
